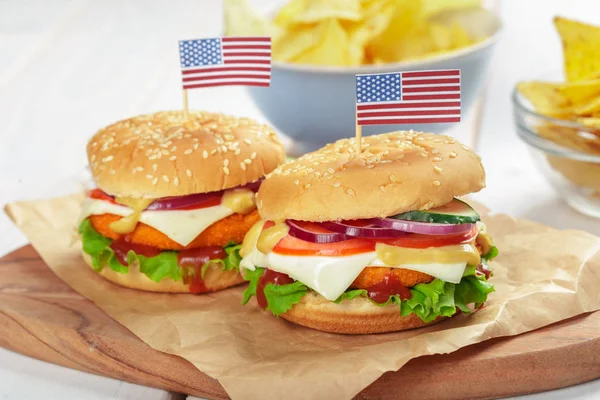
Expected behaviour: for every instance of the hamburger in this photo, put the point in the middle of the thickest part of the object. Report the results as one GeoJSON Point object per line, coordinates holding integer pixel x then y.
{"type": "Point", "coordinates": [371, 242]}
{"type": "Point", "coordinates": [174, 198]}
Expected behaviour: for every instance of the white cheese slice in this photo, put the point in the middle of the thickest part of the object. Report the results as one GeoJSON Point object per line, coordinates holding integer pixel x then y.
{"type": "Point", "coordinates": [331, 276]}
{"type": "Point", "coordinates": [182, 226]}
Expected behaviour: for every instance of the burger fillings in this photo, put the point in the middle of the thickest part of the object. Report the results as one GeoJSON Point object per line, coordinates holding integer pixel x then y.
{"type": "Point", "coordinates": [373, 242]}
{"type": "Point", "coordinates": [176, 197]}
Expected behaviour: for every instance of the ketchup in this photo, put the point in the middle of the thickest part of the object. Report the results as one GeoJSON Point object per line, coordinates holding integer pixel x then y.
{"type": "Point", "coordinates": [194, 259]}
{"type": "Point", "coordinates": [381, 292]}
{"type": "Point", "coordinates": [123, 245]}
{"type": "Point", "coordinates": [269, 276]}
{"type": "Point", "coordinates": [485, 270]}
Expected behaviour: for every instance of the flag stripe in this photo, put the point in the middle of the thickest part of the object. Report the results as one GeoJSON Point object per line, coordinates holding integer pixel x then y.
{"type": "Point", "coordinates": [246, 39]}
{"type": "Point", "coordinates": [431, 89]}
{"type": "Point", "coordinates": [418, 74]}
{"type": "Point", "coordinates": [238, 76]}
{"type": "Point", "coordinates": [432, 97]}
{"type": "Point", "coordinates": [226, 83]}
{"type": "Point", "coordinates": [409, 121]}
{"type": "Point", "coordinates": [247, 61]}
{"type": "Point", "coordinates": [433, 104]}
{"type": "Point", "coordinates": [265, 55]}
{"type": "Point", "coordinates": [246, 46]}
{"type": "Point", "coordinates": [409, 113]}
{"type": "Point", "coordinates": [435, 81]}
{"type": "Point", "coordinates": [221, 69]}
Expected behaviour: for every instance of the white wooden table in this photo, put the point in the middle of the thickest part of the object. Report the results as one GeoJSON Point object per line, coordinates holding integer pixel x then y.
{"type": "Point", "coordinates": [68, 67]}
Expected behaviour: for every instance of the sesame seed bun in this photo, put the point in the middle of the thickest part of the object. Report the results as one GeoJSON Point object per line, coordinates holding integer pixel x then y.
{"type": "Point", "coordinates": [356, 316]}
{"type": "Point", "coordinates": [214, 279]}
{"type": "Point", "coordinates": [395, 172]}
{"type": "Point", "coordinates": [163, 154]}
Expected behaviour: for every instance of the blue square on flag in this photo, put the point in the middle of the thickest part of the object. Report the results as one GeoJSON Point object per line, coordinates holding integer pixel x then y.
{"type": "Point", "coordinates": [225, 61]}
{"type": "Point", "coordinates": [409, 97]}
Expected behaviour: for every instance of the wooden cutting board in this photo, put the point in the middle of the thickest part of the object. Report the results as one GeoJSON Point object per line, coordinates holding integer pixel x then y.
{"type": "Point", "coordinates": [42, 317]}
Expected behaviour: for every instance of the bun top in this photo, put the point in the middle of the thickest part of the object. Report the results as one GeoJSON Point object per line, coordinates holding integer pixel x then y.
{"type": "Point", "coordinates": [394, 173]}
{"type": "Point", "coordinates": [163, 154]}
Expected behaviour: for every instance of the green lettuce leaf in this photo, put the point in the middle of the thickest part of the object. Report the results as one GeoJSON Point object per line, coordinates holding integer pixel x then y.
{"type": "Point", "coordinates": [281, 298]}
{"type": "Point", "coordinates": [491, 254]}
{"type": "Point", "coordinates": [252, 277]}
{"type": "Point", "coordinates": [156, 268]}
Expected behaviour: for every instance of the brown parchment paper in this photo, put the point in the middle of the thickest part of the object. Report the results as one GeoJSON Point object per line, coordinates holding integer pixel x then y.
{"type": "Point", "coordinates": [542, 276]}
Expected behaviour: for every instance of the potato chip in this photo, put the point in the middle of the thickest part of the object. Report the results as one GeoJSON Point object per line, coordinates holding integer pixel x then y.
{"type": "Point", "coordinates": [591, 108]}
{"type": "Point", "coordinates": [581, 92]}
{"type": "Point", "coordinates": [295, 42]}
{"type": "Point", "coordinates": [431, 7]}
{"type": "Point", "coordinates": [591, 122]}
{"type": "Point", "coordinates": [581, 49]}
{"type": "Point", "coordinates": [286, 14]}
{"type": "Point", "coordinates": [332, 47]}
{"type": "Point", "coordinates": [320, 10]}
{"type": "Point", "coordinates": [545, 97]}
{"type": "Point", "coordinates": [241, 20]}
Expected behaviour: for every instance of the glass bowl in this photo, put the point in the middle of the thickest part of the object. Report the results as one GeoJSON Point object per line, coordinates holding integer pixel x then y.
{"type": "Point", "coordinates": [566, 152]}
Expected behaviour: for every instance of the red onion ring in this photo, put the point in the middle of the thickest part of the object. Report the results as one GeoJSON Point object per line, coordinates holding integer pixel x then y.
{"type": "Point", "coordinates": [424, 228]}
{"type": "Point", "coordinates": [178, 202]}
{"type": "Point", "coordinates": [304, 234]}
{"type": "Point", "coordinates": [369, 231]}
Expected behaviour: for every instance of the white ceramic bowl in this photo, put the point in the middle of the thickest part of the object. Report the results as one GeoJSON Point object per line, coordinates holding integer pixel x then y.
{"type": "Point", "coordinates": [316, 105]}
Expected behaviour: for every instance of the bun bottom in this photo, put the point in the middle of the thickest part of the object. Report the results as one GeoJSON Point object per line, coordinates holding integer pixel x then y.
{"type": "Point", "coordinates": [356, 316]}
{"type": "Point", "coordinates": [214, 279]}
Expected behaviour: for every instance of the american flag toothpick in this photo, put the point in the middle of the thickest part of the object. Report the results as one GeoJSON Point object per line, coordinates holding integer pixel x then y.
{"type": "Point", "coordinates": [412, 97]}
{"type": "Point", "coordinates": [224, 61]}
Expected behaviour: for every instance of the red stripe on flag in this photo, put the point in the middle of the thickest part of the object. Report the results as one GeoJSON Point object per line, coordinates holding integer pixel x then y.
{"type": "Point", "coordinates": [240, 76]}
{"type": "Point", "coordinates": [409, 121]}
{"type": "Point", "coordinates": [245, 54]}
{"type": "Point", "coordinates": [221, 69]}
{"type": "Point", "coordinates": [246, 39]}
{"type": "Point", "coordinates": [227, 61]}
{"type": "Point", "coordinates": [417, 74]}
{"type": "Point", "coordinates": [407, 113]}
{"type": "Point", "coordinates": [432, 97]}
{"type": "Point", "coordinates": [433, 104]}
{"type": "Point", "coordinates": [248, 46]}
{"type": "Point", "coordinates": [431, 89]}
{"type": "Point", "coordinates": [244, 83]}
{"type": "Point", "coordinates": [430, 81]}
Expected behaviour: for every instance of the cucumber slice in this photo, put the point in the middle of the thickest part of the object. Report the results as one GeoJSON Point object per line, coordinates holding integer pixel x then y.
{"type": "Point", "coordinates": [454, 212]}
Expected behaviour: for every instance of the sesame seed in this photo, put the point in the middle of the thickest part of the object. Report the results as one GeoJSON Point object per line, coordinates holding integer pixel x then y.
{"type": "Point", "coordinates": [253, 155]}
{"type": "Point", "coordinates": [188, 173]}
{"type": "Point", "coordinates": [155, 181]}
{"type": "Point", "coordinates": [107, 158]}
{"type": "Point", "coordinates": [188, 151]}
{"type": "Point", "coordinates": [148, 176]}
{"type": "Point", "coordinates": [393, 178]}
{"type": "Point", "coordinates": [237, 152]}
{"type": "Point", "coordinates": [226, 162]}
{"type": "Point", "coordinates": [205, 154]}
{"type": "Point", "coordinates": [173, 158]}
{"type": "Point", "coordinates": [195, 146]}
{"type": "Point", "coordinates": [382, 188]}
{"type": "Point", "coordinates": [336, 184]}
{"type": "Point", "coordinates": [166, 178]}
{"type": "Point", "coordinates": [307, 186]}
{"type": "Point", "coordinates": [213, 151]}
{"type": "Point", "coordinates": [226, 170]}
{"type": "Point", "coordinates": [112, 171]}
{"type": "Point", "coordinates": [247, 141]}
{"type": "Point", "coordinates": [437, 169]}
{"type": "Point", "coordinates": [453, 154]}
{"type": "Point", "coordinates": [224, 149]}
{"type": "Point", "coordinates": [296, 182]}
{"type": "Point", "coordinates": [154, 167]}
{"type": "Point", "coordinates": [424, 155]}
{"type": "Point", "coordinates": [139, 168]}
{"type": "Point", "coordinates": [434, 151]}
{"type": "Point", "coordinates": [248, 161]}
{"type": "Point", "coordinates": [173, 148]}
{"type": "Point", "coordinates": [243, 166]}
{"type": "Point", "coordinates": [176, 181]}
{"type": "Point", "coordinates": [436, 183]}
{"type": "Point", "coordinates": [350, 192]}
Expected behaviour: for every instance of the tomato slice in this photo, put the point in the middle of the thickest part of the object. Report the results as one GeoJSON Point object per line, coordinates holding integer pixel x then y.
{"type": "Point", "coordinates": [290, 245]}
{"type": "Point", "coordinates": [100, 195]}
